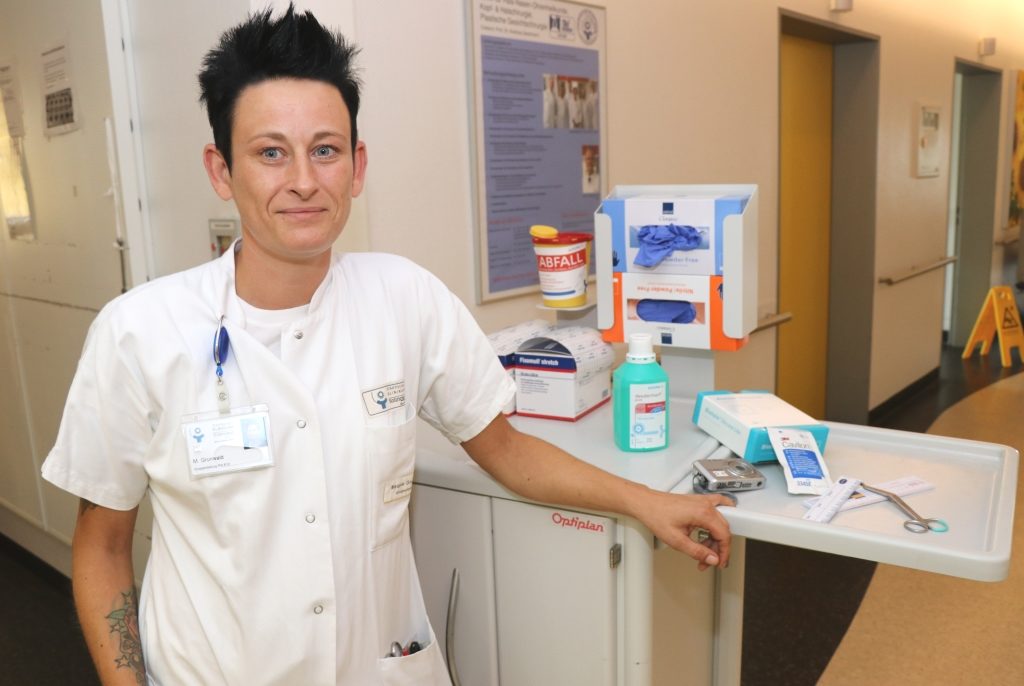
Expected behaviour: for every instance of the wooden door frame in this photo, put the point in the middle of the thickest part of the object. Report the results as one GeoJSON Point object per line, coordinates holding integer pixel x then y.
{"type": "Point", "coordinates": [855, 105]}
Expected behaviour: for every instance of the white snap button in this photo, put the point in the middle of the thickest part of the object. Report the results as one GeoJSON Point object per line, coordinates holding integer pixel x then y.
{"type": "Point", "coordinates": [311, 518]}
{"type": "Point", "coordinates": [298, 335]}
{"type": "Point", "coordinates": [318, 609]}
{"type": "Point", "coordinates": [301, 423]}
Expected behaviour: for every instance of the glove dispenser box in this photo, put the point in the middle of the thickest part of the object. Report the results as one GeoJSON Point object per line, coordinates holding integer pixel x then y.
{"type": "Point", "coordinates": [679, 263]}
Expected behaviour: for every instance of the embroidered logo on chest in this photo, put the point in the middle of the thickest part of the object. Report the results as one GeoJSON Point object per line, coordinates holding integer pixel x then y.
{"type": "Point", "coordinates": [384, 398]}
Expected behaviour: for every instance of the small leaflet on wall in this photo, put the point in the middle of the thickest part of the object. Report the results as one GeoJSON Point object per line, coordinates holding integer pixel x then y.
{"type": "Point", "coordinates": [927, 145]}
{"type": "Point", "coordinates": [538, 130]}
{"type": "Point", "coordinates": [59, 106]}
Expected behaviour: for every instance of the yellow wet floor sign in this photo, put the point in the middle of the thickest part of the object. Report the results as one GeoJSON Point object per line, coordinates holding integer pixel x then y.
{"type": "Point", "coordinates": [998, 316]}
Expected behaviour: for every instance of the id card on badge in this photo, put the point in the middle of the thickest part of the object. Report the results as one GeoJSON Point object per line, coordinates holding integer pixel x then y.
{"type": "Point", "coordinates": [232, 442]}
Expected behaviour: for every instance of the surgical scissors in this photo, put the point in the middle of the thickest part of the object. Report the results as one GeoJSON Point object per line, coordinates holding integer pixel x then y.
{"type": "Point", "coordinates": [916, 523]}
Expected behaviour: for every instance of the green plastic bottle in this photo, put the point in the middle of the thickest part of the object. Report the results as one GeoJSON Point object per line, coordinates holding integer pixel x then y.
{"type": "Point", "coordinates": [640, 399]}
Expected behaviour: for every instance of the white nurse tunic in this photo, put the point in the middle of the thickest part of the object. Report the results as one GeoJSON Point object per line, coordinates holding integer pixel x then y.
{"type": "Point", "coordinates": [302, 572]}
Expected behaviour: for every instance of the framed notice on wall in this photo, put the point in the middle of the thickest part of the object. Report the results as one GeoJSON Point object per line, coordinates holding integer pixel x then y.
{"type": "Point", "coordinates": [538, 130]}
{"type": "Point", "coordinates": [927, 143]}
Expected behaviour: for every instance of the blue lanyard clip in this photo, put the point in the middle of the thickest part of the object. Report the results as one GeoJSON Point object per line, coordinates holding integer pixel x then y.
{"type": "Point", "coordinates": [220, 348]}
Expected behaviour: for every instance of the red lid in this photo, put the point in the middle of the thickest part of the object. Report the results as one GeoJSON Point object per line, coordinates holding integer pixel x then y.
{"type": "Point", "coordinates": [564, 238]}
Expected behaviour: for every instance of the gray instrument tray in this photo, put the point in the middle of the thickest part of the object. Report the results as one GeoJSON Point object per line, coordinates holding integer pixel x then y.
{"type": "Point", "coordinates": [975, 491]}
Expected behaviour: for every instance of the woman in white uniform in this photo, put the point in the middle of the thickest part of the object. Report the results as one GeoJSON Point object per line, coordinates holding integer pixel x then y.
{"type": "Point", "coordinates": [562, 106]}
{"type": "Point", "coordinates": [287, 561]}
{"type": "Point", "coordinates": [550, 114]}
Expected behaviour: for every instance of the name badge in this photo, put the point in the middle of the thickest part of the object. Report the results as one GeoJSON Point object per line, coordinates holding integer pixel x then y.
{"type": "Point", "coordinates": [233, 442]}
{"type": "Point", "coordinates": [398, 488]}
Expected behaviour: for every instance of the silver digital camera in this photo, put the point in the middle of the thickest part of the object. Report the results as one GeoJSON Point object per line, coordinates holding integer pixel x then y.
{"type": "Point", "coordinates": [730, 474]}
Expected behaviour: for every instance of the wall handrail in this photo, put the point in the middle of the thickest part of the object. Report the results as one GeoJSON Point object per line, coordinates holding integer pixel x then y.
{"type": "Point", "coordinates": [772, 320]}
{"type": "Point", "coordinates": [55, 303]}
{"type": "Point", "coordinates": [1006, 241]}
{"type": "Point", "coordinates": [917, 271]}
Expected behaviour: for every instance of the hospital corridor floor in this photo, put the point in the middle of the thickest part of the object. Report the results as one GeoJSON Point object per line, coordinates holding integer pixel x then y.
{"type": "Point", "coordinates": [962, 626]}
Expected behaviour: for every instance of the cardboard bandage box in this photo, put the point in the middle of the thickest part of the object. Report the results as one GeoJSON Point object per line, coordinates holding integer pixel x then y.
{"type": "Point", "coordinates": [564, 374]}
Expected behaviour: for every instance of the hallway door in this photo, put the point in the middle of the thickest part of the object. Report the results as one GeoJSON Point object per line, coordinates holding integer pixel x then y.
{"type": "Point", "coordinates": [973, 186]}
{"type": "Point", "coordinates": [805, 188]}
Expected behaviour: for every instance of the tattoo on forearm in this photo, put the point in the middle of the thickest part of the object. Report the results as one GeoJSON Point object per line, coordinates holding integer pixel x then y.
{"type": "Point", "coordinates": [124, 622]}
{"type": "Point", "coordinates": [85, 505]}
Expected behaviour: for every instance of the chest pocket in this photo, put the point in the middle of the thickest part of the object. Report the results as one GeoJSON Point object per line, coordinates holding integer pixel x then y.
{"type": "Point", "coordinates": [391, 452]}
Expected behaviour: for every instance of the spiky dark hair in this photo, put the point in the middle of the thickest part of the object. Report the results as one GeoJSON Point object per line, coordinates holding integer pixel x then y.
{"type": "Point", "coordinates": [294, 46]}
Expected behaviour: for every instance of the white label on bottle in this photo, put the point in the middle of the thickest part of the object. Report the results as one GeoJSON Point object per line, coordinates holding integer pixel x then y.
{"type": "Point", "coordinates": [647, 416]}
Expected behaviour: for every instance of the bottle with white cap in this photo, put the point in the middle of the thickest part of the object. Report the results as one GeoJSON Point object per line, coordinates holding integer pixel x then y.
{"type": "Point", "coordinates": [640, 399]}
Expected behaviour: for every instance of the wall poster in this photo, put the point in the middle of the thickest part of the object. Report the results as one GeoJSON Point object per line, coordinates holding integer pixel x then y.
{"type": "Point", "coordinates": [538, 130]}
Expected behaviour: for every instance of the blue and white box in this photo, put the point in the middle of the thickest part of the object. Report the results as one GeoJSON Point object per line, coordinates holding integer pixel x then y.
{"type": "Point", "coordinates": [678, 262]}
{"type": "Point", "coordinates": [740, 421]}
{"type": "Point", "coordinates": [660, 233]}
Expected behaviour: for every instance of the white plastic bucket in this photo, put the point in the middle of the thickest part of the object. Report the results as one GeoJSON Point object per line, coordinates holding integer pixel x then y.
{"type": "Point", "coordinates": [562, 262]}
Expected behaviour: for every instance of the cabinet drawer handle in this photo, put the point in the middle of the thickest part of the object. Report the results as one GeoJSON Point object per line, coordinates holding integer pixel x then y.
{"type": "Point", "coordinates": [449, 634]}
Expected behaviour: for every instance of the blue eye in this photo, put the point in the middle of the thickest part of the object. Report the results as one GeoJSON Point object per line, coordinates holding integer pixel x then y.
{"type": "Point", "coordinates": [323, 151]}
{"type": "Point", "coordinates": [271, 153]}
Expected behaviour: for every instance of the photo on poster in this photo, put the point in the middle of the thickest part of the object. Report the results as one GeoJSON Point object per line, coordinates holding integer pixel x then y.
{"type": "Point", "coordinates": [590, 163]}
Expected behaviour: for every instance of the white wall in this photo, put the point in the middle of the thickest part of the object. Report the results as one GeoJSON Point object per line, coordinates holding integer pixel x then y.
{"type": "Point", "coordinates": [68, 173]}
{"type": "Point", "coordinates": [692, 98]}
{"type": "Point", "coordinates": [173, 127]}
{"type": "Point", "coordinates": [50, 288]}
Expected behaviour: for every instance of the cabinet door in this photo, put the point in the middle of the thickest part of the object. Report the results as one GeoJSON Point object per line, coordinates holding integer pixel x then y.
{"type": "Point", "coordinates": [682, 643]}
{"type": "Point", "coordinates": [555, 596]}
{"type": "Point", "coordinates": [452, 530]}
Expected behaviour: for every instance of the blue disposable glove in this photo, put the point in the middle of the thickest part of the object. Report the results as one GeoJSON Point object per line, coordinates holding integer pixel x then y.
{"type": "Point", "coordinates": [658, 241]}
{"type": "Point", "coordinates": [672, 311]}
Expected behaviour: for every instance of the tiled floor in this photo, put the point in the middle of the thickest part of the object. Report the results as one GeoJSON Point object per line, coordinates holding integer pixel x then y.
{"type": "Point", "coordinates": [794, 616]}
